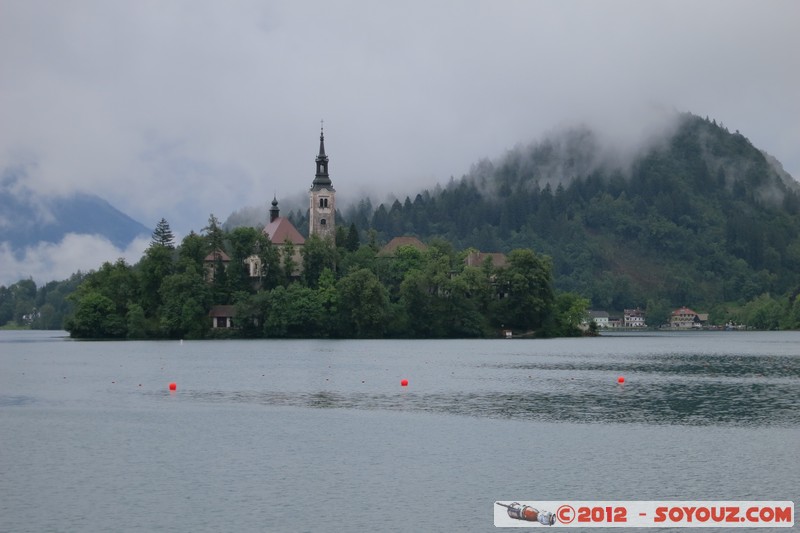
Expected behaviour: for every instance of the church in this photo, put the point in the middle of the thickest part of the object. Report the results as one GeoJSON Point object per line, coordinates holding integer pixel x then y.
{"type": "Point", "coordinates": [321, 217]}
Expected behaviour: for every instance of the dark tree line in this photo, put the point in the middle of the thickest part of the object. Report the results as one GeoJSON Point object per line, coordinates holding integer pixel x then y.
{"type": "Point", "coordinates": [23, 304]}
{"type": "Point", "coordinates": [345, 290]}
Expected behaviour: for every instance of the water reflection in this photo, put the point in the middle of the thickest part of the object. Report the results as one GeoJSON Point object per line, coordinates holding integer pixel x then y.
{"type": "Point", "coordinates": [695, 404]}
{"type": "Point", "coordinates": [668, 389]}
{"type": "Point", "coordinates": [677, 364]}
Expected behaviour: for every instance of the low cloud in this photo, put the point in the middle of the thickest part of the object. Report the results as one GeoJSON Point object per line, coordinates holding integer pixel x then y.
{"type": "Point", "coordinates": [58, 261]}
{"type": "Point", "coordinates": [180, 109]}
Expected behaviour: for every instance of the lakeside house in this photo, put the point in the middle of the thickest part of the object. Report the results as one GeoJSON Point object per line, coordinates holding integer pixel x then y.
{"type": "Point", "coordinates": [599, 317]}
{"type": "Point", "coordinates": [222, 316]}
{"type": "Point", "coordinates": [686, 318]}
{"type": "Point", "coordinates": [633, 318]}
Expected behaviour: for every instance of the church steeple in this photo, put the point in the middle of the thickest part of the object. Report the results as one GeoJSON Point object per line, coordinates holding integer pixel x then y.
{"type": "Point", "coordinates": [322, 197]}
{"type": "Point", "coordinates": [274, 212]}
{"type": "Point", "coordinates": [322, 178]}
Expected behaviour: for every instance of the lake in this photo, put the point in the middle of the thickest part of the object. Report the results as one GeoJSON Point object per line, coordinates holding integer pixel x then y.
{"type": "Point", "coordinates": [311, 435]}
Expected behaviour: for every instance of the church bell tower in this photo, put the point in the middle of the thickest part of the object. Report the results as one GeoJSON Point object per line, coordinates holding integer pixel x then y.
{"type": "Point", "coordinates": [322, 208]}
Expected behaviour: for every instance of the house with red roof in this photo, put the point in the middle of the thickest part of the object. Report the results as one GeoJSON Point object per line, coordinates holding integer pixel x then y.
{"type": "Point", "coordinates": [391, 247]}
{"type": "Point", "coordinates": [685, 318]}
{"type": "Point", "coordinates": [212, 260]}
{"type": "Point", "coordinates": [477, 259]}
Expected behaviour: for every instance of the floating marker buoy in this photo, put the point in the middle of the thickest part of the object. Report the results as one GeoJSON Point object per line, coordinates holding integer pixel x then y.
{"type": "Point", "coordinates": [173, 386]}
{"type": "Point", "coordinates": [621, 379]}
{"type": "Point", "coordinates": [404, 383]}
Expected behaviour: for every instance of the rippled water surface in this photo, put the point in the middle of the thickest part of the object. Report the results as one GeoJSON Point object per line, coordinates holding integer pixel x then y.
{"type": "Point", "coordinates": [320, 436]}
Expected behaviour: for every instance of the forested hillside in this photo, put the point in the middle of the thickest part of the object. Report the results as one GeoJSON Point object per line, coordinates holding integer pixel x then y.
{"type": "Point", "coordinates": [702, 218]}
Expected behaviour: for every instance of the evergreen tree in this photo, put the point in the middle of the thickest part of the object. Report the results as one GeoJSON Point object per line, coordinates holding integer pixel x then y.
{"type": "Point", "coordinates": [215, 235]}
{"type": "Point", "coordinates": [352, 242]}
{"type": "Point", "coordinates": [162, 235]}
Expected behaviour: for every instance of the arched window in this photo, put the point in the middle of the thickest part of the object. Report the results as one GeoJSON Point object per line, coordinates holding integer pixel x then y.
{"type": "Point", "coordinates": [322, 222]}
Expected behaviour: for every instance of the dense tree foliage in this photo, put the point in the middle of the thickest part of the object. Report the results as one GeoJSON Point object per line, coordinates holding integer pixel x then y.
{"type": "Point", "coordinates": [23, 304]}
{"type": "Point", "coordinates": [340, 293]}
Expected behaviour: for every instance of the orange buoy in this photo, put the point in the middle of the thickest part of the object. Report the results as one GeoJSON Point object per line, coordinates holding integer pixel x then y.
{"type": "Point", "coordinates": [173, 386]}
{"type": "Point", "coordinates": [621, 379]}
{"type": "Point", "coordinates": [404, 383]}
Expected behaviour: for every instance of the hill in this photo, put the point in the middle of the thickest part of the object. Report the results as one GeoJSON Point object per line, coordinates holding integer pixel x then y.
{"type": "Point", "coordinates": [698, 217]}
{"type": "Point", "coordinates": [27, 219]}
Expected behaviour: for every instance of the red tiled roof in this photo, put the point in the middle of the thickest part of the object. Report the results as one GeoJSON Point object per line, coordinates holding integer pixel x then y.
{"type": "Point", "coordinates": [218, 254]}
{"type": "Point", "coordinates": [477, 258]}
{"type": "Point", "coordinates": [397, 242]}
{"type": "Point", "coordinates": [683, 311]}
{"type": "Point", "coordinates": [280, 229]}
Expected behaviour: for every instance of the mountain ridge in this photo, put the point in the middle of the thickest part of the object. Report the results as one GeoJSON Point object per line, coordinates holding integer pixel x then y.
{"type": "Point", "coordinates": [28, 219]}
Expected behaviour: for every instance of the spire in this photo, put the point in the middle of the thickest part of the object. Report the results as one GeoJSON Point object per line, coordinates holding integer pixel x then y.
{"type": "Point", "coordinates": [321, 140]}
{"type": "Point", "coordinates": [321, 179]}
{"type": "Point", "coordinates": [274, 211]}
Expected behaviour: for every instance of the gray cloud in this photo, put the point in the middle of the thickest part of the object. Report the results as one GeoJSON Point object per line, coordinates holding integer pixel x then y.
{"type": "Point", "coordinates": [180, 109]}
{"type": "Point", "coordinates": [57, 261]}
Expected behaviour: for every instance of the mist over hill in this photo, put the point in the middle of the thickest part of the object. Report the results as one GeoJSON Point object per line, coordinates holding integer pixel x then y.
{"type": "Point", "coordinates": [27, 219]}
{"type": "Point", "coordinates": [48, 237]}
{"type": "Point", "coordinates": [694, 216]}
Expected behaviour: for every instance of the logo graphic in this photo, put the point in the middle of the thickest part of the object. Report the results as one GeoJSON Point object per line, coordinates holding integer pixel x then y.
{"type": "Point", "coordinates": [585, 514]}
{"type": "Point", "coordinates": [529, 514]}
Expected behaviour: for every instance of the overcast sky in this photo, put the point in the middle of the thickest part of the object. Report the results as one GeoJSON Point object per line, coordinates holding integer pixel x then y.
{"type": "Point", "coordinates": [184, 108]}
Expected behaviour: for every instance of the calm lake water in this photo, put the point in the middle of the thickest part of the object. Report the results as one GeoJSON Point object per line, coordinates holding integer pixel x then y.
{"type": "Point", "coordinates": [320, 436]}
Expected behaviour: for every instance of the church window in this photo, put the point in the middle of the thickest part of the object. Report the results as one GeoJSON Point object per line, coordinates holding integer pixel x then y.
{"type": "Point", "coordinates": [322, 222]}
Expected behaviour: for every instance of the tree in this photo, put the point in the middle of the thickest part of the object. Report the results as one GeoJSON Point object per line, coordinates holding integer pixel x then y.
{"type": "Point", "coordinates": [6, 305]}
{"type": "Point", "coordinates": [242, 245]}
{"type": "Point", "coordinates": [288, 260]}
{"type": "Point", "coordinates": [352, 242]}
{"type": "Point", "coordinates": [115, 283]}
{"type": "Point", "coordinates": [96, 318]}
{"type": "Point", "coordinates": [271, 274]}
{"type": "Point", "coordinates": [251, 311]}
{"type": "Point", "coordinates": [215, 235]}
{"type": "Point", "coordinates": [569, 310]}
{"type": "Point", "coordinates": [417, 304]}
{"type": "Point", "coordinates": [763, 312]}
{"type": "Point", "coordinates": [137, 326]}
{"type": "Point", "coordinates": [328, 301]}
{"type": "Point", "coordinates": [162, 235]}
{"type": "Point", "coordinates": [155, 265]}
{"type": "Point", "coordinates": [187, 299]}
{"type": "Point", "coordinates": [294, 311]}
{"type": "Point", "coordinates": [20, 302]}
{"type": "Point", "coordinates": [527, 290]}
{"type": "Point", "coordinates": [363, 305]}
{"type": "Point", "coordinates": [318, 254]}
{"type": "Point", "coordinates": [192, 252]}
